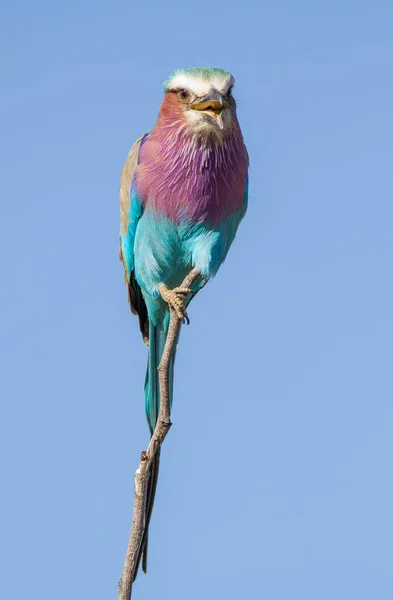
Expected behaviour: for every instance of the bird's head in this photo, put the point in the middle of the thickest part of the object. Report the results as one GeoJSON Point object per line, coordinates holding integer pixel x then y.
{"type": "Point", "coordinates": [202, 99]}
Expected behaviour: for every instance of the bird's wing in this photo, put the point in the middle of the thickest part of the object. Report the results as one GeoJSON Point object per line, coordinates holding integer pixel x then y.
{"type": "Point", "coordinates": [246, 193]}
{"type": "Point", "coordinates": [130, 213]}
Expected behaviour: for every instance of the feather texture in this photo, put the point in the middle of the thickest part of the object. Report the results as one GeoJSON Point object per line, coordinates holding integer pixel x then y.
{"type": "Point", "coordinates": [189, 177]}
{"type": "Point", "coordinates": [183, 193]}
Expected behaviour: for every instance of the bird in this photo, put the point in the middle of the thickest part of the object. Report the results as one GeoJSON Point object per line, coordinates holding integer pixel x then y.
{"type": "Point", "coordinates": [183, 194]}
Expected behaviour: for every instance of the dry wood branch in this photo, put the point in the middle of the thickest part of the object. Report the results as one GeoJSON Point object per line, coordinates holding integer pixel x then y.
{"type": "Point", "coordinates": [142, 473]}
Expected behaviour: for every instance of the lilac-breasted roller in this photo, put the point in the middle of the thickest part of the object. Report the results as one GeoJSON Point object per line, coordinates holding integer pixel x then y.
{"type": "Point", "coordinates": [183, 194]}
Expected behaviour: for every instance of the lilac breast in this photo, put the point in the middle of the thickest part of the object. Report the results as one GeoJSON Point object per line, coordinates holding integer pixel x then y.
{"type": "Point", "coordinates": [188, 178]}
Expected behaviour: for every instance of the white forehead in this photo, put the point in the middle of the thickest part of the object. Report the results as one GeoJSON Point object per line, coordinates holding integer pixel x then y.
{"type": "Point", "coordinates": [201, 86]}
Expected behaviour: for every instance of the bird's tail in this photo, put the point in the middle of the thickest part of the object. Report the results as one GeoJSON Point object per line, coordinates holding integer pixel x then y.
{"type": "Point", "coordinates": [157, 338]}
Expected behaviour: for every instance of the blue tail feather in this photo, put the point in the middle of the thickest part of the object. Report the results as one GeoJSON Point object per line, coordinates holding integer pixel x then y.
{"type": "Point", "coordinates": [157, 338]}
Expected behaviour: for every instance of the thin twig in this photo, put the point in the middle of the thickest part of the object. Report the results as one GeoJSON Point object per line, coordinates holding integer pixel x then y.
{"type": "Point", "coordinates": [142, 473]}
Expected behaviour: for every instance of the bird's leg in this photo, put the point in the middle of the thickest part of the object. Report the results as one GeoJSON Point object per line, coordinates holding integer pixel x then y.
{"type": "Point", "coordinates": [175, 298]}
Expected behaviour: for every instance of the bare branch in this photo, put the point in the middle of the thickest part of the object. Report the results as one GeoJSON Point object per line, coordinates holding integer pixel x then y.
{"type": "Point", "coordinates": [142, 473]}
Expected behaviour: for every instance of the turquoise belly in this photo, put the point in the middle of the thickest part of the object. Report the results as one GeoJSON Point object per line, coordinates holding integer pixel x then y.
{"type": "Point", "coordinates": [166, 251]}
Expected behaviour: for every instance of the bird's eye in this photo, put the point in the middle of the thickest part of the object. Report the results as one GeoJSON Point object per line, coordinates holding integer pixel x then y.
{"type": "Point", "coordinates": [229, 92]}
{"type": "Point", "coordinates": [183, 95]}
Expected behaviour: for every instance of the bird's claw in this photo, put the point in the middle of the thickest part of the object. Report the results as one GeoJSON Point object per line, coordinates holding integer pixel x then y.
{"type": "Point", "coordinates": [175, 298]}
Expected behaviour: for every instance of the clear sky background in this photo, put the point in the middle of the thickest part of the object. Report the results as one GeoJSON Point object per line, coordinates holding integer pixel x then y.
{"type": "Point", "coordinates": [276, 479]}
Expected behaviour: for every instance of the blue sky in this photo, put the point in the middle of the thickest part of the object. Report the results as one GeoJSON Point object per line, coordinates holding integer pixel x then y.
{"type": "Point", "coordinates": [276, 476]}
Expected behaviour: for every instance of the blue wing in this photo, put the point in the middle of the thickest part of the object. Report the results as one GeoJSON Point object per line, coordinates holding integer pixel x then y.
{"type": "Point", "coordinates": [130, 213]}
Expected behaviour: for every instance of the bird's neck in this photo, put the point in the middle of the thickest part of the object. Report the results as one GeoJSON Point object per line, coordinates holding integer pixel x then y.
{"type": "Point", "coordinates": [185, 175]}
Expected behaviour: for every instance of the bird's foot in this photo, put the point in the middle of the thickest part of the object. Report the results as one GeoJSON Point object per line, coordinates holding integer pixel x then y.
{"type": "Point", "coordinates": [175, 298]}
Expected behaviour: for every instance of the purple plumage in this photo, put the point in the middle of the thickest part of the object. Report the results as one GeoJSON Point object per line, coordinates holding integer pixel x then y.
{"type": "Point", "coordinates": [188, 176]}
{"type": "Point", "coordinates": [188, 183]}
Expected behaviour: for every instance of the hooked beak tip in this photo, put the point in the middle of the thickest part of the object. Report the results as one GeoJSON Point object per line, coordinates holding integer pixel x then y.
{"type": "Point", "coordinates": [218, 118]}
{"type": "Point", "coordinates": [212, 107]}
